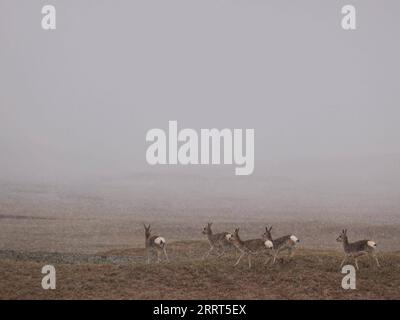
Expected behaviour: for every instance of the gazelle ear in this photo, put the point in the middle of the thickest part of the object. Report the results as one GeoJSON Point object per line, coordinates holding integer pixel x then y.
{"type": "Point", "coordinates": [345, 231]}
{"type": "Point", "coordinates": [270, 228]}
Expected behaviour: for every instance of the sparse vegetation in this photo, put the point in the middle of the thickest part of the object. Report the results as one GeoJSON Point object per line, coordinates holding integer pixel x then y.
{"type": "Point", "coordinates": [95, 240]}
{"type": "Point", "coordinates": [310, 274]}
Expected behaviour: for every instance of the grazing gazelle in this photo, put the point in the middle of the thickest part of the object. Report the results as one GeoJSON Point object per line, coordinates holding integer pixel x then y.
{"type": "Point", "coordinates": [249, 247]}
{"type": "Point", "coordinates": [219, 241]}
{"type": "Point", "coordinates": [154, 244]}
{"type": "Point", "coordinates": [357, 249]}
{"type": "Point", "coordinates": [280, 244]}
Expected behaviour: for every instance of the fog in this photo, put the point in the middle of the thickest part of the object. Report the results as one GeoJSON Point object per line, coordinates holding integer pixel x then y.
{"type": "Point", "coordinates": [76, 102]}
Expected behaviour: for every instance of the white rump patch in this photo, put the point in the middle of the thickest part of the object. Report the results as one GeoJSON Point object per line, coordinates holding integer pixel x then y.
{"type": "Point", "coordinates": [372, 244]}
{"type": "Point", "coordinates": [159, 241]}
{"type": "Point", "coordinates": [229, 237]}
{"type": "Point", "coordinates": [269, 244]}
{"type": "Point", "coordinates": [294, 238]}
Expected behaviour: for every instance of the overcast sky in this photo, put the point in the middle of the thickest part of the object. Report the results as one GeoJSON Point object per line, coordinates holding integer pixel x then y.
{"type": "Point", "coordinates": [78, 101]}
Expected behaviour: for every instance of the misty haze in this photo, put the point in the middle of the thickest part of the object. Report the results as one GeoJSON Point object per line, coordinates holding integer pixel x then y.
{"type": "Point", "coordinates": [76, 104]}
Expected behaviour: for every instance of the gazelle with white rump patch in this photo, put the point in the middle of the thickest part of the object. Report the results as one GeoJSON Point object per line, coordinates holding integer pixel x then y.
{"type": "Point", "coordinates": [154, 244]}
{"type": "Point", "coordinates": [281, 244]}
{"type": "Point", "coordinates": [250, 247]}
{"type": "Point", "coordinates": [357, 249]}
{"type": "Point", "coordinates": [218, 241]}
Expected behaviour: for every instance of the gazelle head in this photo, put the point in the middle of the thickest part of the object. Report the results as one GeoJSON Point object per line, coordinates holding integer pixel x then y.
{"type": "Point", "coordinates": [235, 236]}
{"type": "Point", "coordinates": [267, 234]}
{"type": "Point", "coordinates": [207, 229]}
{"type": "Point", "coordinates": [342, 236]}
{"type": "Point", "coordinates": [147, 230]}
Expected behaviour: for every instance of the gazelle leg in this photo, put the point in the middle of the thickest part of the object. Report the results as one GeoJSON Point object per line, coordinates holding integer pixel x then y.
{"type": "Point", "coordinates": [376, 260]}
{"type": "Point", "coordinates": [240, 258]}
{"type": "Point", "coordinates": [356, 261]}
{"type": "Point", "coordinates": [267, 260]}
{"type": "Point", "coordinates": [208, 253]}
{"type": "Point", "coordinates": [222, 253]}
{"type": "Point", "coordinates": [148, 257]}
{"type": "Point", "coordinates": [158, 256]}
{"type": "Point", "coordinates": [219, 251]}
{"type": "Point", "coordinates": [291, 252]}
{"type": "Point", "coordinates": [165, 253]}
{"type": "Point", "coordinates": [344, 259]}
{"type": "Point", "coordinates": [275, 255]}
{"type": "Point", "coordinates": [249, 258]}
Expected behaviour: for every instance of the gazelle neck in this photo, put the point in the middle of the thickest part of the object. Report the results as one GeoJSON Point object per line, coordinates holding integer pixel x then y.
{"type": "Point", "coordinates": [238, 240]}
{"type": "Point", "coordinates": [345, 242]}
{"type": "Point", "coordinates": [147, 236]}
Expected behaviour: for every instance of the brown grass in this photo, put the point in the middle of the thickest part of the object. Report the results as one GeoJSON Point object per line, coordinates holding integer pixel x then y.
{"type": "Point", "coordinates": [311, 274]}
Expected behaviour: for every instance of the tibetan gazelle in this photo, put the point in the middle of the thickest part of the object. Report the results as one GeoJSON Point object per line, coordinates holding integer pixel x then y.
{"type": "Point", "coordinates": [154, 244]}
{"type": "Point", "coordinates": [281, 244]}
{"type": "Point", "coordinates": [217, 241]}
{"type": "Point", "coordinates": [250, 247]}
{"type": "Point", "coordinates": [357, 249]}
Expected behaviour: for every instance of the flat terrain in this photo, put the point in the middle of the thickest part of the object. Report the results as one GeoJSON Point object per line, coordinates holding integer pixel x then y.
{"type": "Point", "coordinates": [123, 274]}
{"type": "Point", "coordinates": [94, 237]}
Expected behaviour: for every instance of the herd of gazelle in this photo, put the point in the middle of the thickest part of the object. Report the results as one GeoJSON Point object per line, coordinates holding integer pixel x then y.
{"type": "Point", "coordinates": [266, 245]}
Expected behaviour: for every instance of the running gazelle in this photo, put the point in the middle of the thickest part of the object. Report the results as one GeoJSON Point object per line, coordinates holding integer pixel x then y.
{"type": "Point", "coordinates": [281, 244]}
{"type": "Point", "coordinates": [218, 241]}
{"type": "Point", "coordinates": [357, 249]}
{"type": "Point", "coordinates": [250, 247]}
{"type": "Point", "coordinates": [154, 243]}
